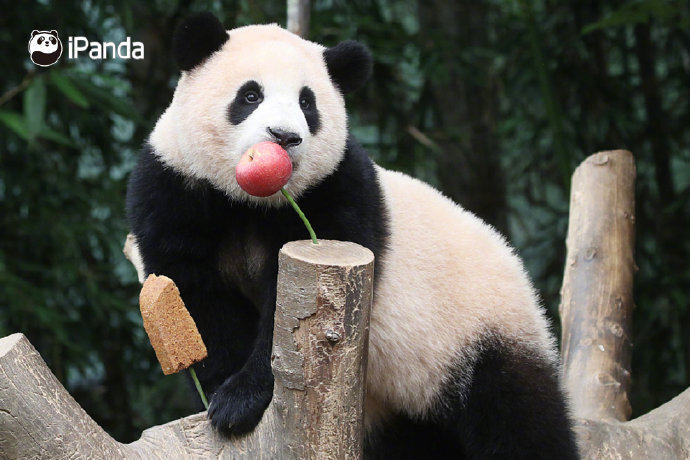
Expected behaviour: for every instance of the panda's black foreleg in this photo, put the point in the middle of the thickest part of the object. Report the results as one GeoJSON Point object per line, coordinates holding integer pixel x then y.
{"type": "Point", "coordinates": [238, 404]}
{"type": "Point", "coordinates": [513, 408]}
{"type": "Point", "coordinates": [236, 375]}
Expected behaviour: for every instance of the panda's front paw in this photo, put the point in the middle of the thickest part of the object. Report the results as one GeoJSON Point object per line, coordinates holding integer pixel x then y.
{"type": "Point", "coordinates": [239, 403]}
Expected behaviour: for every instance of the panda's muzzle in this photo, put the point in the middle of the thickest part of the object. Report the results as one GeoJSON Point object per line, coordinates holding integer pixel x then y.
{"type": "Point", "coordinates": [285, 139]}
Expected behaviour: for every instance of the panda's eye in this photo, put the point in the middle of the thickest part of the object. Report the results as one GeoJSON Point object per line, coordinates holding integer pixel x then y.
{"type": "Point", "coordinates": [40, 40]}
{"type": "Point", "coordinates": [248, 98]}
{"type": "Point", "coordinates": [252, 97]}
{"type": "Point", "coordinates": [307, 102]}
{"type": "Point", "coordinates": [52, 40]}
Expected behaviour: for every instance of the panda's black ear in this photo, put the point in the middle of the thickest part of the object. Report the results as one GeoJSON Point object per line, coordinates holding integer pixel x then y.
{"type": "Point", "coordinates": [34, 32]}
{"type": "Point", "coordinates": [54, 33]}
{"type": "Point", "coordinates": [349, 64]}
{"type": "Point", "coordinates": [196, 38]}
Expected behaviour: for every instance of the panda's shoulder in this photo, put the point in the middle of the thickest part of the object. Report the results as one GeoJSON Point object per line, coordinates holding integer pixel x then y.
{"type": "Point", "coordinates": [151, 176]}
{"type": "Point", "coordinates": [356, 156]}
{"type": "Point", "coordinates": [155, 188]}
{"type": "Point", "coordinates": [354, 173]}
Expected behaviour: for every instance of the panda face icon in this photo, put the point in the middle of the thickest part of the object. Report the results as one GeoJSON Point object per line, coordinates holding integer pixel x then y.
{"type": "Point", "coordinates": [45, 47]}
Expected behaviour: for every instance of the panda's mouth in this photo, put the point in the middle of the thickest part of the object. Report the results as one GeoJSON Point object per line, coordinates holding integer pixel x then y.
{"type": "Point", "coordinates": [293, 158]}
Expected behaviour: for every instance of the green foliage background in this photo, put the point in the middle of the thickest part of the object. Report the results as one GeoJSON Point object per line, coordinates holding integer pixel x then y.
{"type": "Point", "coordinates": [494, 101]}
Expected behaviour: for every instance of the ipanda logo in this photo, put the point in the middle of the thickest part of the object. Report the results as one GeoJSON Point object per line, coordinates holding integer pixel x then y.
{"type": "Point", "coordinates": [45, 48]}
{"type": "Point", "coordinates": [106, 50]}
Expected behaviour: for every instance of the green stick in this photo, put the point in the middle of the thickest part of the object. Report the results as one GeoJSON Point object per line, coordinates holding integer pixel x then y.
{"type": "Point", "coordinates": [198, 387]}
{"type": "Point", "coordinates": [301, 215]}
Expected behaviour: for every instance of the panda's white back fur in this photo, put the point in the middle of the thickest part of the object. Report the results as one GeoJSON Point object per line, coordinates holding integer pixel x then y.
{"type": "Point", "coordinates": [449, 279]}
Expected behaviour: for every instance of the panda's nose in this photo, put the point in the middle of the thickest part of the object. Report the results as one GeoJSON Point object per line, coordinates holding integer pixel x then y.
{"type": "Point", "coordinates": [285, 138]}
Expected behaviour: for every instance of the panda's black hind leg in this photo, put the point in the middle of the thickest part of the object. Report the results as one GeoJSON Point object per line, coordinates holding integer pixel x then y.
{"type": "Point", "coordinates": [513, 408]}
{"type": "Point", "coordinates": [401, 438]}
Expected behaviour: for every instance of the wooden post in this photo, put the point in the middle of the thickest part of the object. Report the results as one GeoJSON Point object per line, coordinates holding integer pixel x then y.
{"type": "Point", "coordinates": [319, 361]}
{"type": "Point", "coordinates": [321, 335]}
{"type": "Point", "coordinates": [298, 17]}
{"type": "Point", "coordinates": [596, 297]}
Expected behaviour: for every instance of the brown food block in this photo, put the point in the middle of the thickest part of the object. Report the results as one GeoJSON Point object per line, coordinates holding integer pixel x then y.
{"type": "Point", "coordinates": [171, 329]}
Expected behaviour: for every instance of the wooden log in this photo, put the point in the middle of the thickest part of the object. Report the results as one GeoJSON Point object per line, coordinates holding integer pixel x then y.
{"type": "Point", "coordinates": [596, 312]}
{"type": "Point", "coordinates": [319, 361]}
{"type": "Point", "coordinates": [298, 14]}
{"type": "Point", "coordinates": [663, 433]}
{"type": "Point", "coordinates": [38, 417]}
{"type": "Point", "coordinates": [596, 297]}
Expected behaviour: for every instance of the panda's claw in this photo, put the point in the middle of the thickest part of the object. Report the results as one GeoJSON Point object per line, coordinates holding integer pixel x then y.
{"type": "Point", "coordinates": [239, 403]}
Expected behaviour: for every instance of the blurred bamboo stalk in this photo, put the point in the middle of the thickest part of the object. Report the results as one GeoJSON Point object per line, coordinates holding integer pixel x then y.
{"type": "Point", "coordinates": [298, 17]}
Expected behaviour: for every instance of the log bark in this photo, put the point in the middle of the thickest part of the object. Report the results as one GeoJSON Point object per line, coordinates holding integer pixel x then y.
{"type": "Point", "coordinates": [663, 433]}
{"type": "Point", "coordinates": [319, 362]}
{"type": "Point", "coordinates": [596, 297]}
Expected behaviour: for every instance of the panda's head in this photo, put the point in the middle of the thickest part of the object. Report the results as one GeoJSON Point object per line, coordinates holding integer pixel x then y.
{"type": "Point", "coordinates": [253, 84]}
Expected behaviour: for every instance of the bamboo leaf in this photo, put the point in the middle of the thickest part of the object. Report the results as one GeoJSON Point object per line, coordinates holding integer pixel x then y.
{"type": "Point", "coordinates": [103, 97]}
{"type": "Point", "coordinates": [59, 138]}
{"type": "Point", "coordinates": [18, 124]}
{"type": "Point", "coordinates": [35, 106]}
{"type": "Point", "coordinates": [64, 84]}
{"type": "Point", "coordinates": [637, 12]}
{"type": "Point", "coordinates": [15, 122]}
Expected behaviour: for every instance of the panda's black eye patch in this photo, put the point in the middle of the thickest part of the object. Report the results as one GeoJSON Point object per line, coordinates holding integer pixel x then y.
{"type": "Point", "coordinates": [40, 40]}
{"type": "Point", "coordinates": [307, 102]}
{"type": "Point", "coordinates": [248, 98]}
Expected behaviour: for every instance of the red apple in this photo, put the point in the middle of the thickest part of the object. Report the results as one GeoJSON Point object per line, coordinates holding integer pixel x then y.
{"type": "Point", "coordinates": [263, 169]}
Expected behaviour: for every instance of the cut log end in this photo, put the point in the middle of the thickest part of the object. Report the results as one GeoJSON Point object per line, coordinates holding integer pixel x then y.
{"type": "Point", "coordinates": [329, 252]}
{"type": "Point", "coordinates": [9, 342]}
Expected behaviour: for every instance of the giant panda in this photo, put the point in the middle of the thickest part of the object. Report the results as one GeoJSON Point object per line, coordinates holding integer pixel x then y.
{"type": "Point", "coordinates": [461, 360]}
